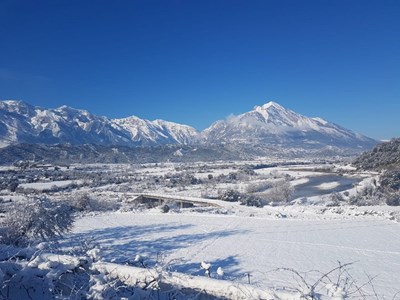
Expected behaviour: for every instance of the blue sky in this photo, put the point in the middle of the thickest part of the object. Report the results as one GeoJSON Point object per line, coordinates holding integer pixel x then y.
{"type": "Point", "coordinates": [194, 62]}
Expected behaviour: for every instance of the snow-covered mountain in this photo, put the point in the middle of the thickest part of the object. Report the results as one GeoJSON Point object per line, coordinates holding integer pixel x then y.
{"type": "Point", "coordinates": [272, 124]}
{"type": "Point", "coordinates": [269, 126]}
{"type": "Point", "coordinates": [23, 123]}
{"type": "Point", "coordinates": [157, 132]}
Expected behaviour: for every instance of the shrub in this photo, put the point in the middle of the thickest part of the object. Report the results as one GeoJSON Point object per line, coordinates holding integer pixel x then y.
{"type": "Point", "coordinates": [393, 200]}
{"type": "Point", "coordinates": [36, 219]}
{"type": "Point", "coordinates": [367, 191]}
{"type": "Point", "coordinates": [335, 199]}
{"type": "Point", "coordinates": [281, 191]}
{"type": "Point", "coordinates": [82, 202]}
{"type": "Point", "coordinates": [361, 200]}
{"type": "Point", "coordinates": [234, 196]}
{"type": "Point", "coordinates": [86, 203]}
{"type": "Point", "coordinates": [229, 195]}
{"type": "Point", "coordinates": [259, 187]}
{"type": "Point", "coordinates": [251, 200]}
{"type": "Point", "coordinates": [390, 180]}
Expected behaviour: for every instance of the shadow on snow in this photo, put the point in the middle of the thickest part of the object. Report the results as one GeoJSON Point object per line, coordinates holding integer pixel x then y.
{"type": "Point", "coordinates": [121, 244]}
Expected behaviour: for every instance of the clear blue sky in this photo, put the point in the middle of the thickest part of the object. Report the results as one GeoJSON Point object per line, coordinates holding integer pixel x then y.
{"type": "Point", "coordinates": [198, 61]}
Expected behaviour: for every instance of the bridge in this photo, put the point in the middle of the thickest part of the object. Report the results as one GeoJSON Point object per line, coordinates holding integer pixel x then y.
{"type": "Point", "coordinates": [153, 200]}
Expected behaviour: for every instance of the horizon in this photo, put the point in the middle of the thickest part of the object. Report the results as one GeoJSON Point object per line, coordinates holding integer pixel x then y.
{"type": "Point", "coordinates": [196, 63]}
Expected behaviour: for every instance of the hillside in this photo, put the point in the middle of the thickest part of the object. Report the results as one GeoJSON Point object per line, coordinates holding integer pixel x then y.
{"type": "Point", "coordinates": [383, 156]}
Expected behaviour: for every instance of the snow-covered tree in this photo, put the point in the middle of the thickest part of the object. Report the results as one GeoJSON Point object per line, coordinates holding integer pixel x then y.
{"type": "Point", "coordinates": [36, 219]}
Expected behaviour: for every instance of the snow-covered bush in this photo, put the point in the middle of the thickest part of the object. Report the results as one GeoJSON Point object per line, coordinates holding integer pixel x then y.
{"type": "Point", "coordinates": [35, 219]}
{"type": "Point", "coordinates": [386, 191]}
{"type": "Point", "coordinates": [179, 179]}
{"type": "Point", "coordinates": [335, 199]}
{"type": "Point", "coordinates": [245, 199]}
{"type": "Point", "coordinates": [259, 187]}
{"type": "Point", "coordinates": [369, 194]}
{"type": "Point", "coordinates": [84, 202]}
{"type": "Point", "coordinates": [229, 195]}
{"type": "Point", "coordinates": [337, 283]}
{"type": "Point", "coordinates": [34, 276]}
{"type": "Point", "coordinates": [390, 181]}
{"type": "Point", "coordinates": [251, 200]}
{"type": "Point", "coordinates": [281, 191]}
{"type": "Point", "coordinates": [360, 200]}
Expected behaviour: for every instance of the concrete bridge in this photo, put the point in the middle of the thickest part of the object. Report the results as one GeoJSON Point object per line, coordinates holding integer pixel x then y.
{"type": "Point", "coordinates": [153, 200]}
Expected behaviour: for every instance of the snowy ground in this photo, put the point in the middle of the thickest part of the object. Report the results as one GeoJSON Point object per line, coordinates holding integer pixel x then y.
{"type": "Point", "coordinates": [257, 245]}
{"type": "Point", "coordinates": [309, 234]}
{"type": "Point", "coordinates": [48, 185]}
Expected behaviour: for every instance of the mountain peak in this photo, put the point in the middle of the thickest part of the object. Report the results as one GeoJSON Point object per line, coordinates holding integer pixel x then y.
{"type": "Point", "coordinates": [14, 103]}
{"type": "Point", "coordinates": [70, 110]}
{"type": "Point", "coordinates": [272, 124]}
{"type": "Point", "coordinates": [17, 106]}
{"type": "Point", "coordinates": [268, 105]}
{"type": "Point", "coordinates": [272, 104]}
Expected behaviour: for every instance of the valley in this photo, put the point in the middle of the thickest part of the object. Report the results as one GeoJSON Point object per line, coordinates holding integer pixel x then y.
{"type": "Point", "coordinates": [255, 220]}
{"type": "Point", "coordinates": [268, 204]}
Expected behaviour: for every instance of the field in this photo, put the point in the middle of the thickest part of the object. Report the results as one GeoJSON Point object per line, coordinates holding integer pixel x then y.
{"type": "Point", "coordinates": [174, 217]}
{"type": "Point", "coordinates": [243, 245]}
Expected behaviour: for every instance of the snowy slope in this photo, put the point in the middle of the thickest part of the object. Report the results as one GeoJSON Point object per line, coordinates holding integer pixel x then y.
{"type": "Point", "coordinates": [157, 132]}
{"type": "Point", "coordinates": [274, 124]}
{"type": "Point", "coordinates": [23, 123]}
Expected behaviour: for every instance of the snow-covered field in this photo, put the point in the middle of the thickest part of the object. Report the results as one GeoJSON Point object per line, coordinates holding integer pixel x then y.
{"type": "Point", "coordinates": [48, 185]}
{"type": "Point", "coordinates": [242, 245]}
{"type": "Point", "coordinates": [311, 232]}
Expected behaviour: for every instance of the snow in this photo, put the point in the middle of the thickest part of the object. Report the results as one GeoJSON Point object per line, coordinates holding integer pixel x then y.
{"type": "Point", "coordinates": [218, 288]}
{"type": "Point", "coordinates": [49, 185]}
{"type": "Point", "coordinates": [157, 130]}
{"type": "Point", "coordinates": [240, 244]}
{"type": "Point", "coordinates": [227, 241]}
{"type": "Point", "coordinates": [320, 120]}
{"type": "Point", "coordinates": [328, 185]}
{"type": "Point", "coordinates": [299, 181]}
{"type": "Point", "coordinates": [67, 124]}
{"type": "Point", "coordinates": [278, 125]}
{"type": "Point", "coordinates": [178, 153]}
{"type": "Point", "coordinates": [205, 265]}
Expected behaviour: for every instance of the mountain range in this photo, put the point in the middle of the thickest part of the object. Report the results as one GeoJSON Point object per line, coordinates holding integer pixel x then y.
{"type": "Point", "coordinates": [24, 123]}
{"type": "Point", "coordinates": [269, 125]}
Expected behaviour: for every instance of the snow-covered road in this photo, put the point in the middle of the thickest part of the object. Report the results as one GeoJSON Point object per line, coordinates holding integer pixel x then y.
{"type": "Point", "coordinates": [254, 245]}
